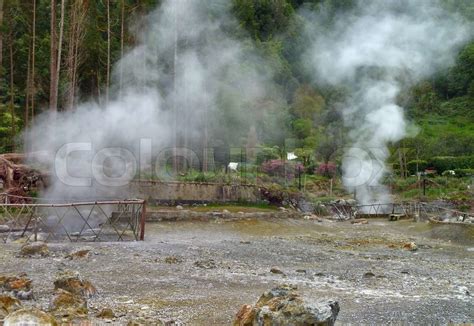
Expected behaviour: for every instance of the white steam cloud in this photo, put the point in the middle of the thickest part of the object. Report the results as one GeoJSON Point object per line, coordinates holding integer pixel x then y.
{"type": "Point", "coordinates": [373, 51]}
{"type": "Point", "coordinates": [177, 83]}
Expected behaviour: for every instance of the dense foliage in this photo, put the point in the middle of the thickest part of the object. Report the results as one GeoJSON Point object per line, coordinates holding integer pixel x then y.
{"type": "Point", "coordinates": [95, 34]}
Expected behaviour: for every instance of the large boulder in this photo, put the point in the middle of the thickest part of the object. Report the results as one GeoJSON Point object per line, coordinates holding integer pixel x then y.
{"type": "Point", "coordinates": [8, 304]}
{"type": "Point", "coordinates": [34, 249]}
{"type": "Point", "coordinates": [67, 304]}
{"type": "Point", "coordinates": [284, 306]}
{"type": "Point", "coordinates": [29, 316]}
{"type": "Point", "coordinates": [72, 282]}
{"type": "Point", "coordinates": [15, 283]}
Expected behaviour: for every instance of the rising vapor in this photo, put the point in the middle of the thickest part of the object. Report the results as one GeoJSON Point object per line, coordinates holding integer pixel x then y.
{"type": "Point", "coordinates": [373, 51]}
{"type": "Point", "coordinates": [178, 82]}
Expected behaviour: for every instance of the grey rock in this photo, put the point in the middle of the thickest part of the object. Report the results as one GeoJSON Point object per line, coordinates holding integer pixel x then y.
{"type": "Point", "coordinates": [284, 306]}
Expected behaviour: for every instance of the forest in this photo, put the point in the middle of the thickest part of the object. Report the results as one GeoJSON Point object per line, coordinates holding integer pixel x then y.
{"type": "Point", "coordinates": [56, 54]}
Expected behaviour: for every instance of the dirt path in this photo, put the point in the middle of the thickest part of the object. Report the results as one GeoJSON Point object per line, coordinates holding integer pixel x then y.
{"type": "Point", "coordinates": [221, 265]}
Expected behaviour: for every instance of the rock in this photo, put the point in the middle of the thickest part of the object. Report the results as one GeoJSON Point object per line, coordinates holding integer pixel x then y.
{"type": "Point", "coordinates": [360, 221]}
{"type": "Point", "coordinates": [16, 283]}
{"type": "Point", "coordinates": [24, 295]}
{"type": "Point", "coordinates": [8, 304]}
{"type": "Point", "coordinates": [34, 249]}
{"type": "Point", "coordinates": [106, 313]}
{"type": "Point", "coordinates": [179, 207]}
{"type": "Point", "coordinates": [282, 209]}
{"type": "Point", "coordinates": [29, 316]}
{"type": "Point", "coordinates": [275, 270]}
{"type": "Point", "coordinates": [245, 316]}
{"type": "Point", "coordinates": [206, 264]}
{"type": "Point", "coordinates": [369, 275]}
{"type": "Point", "coordinates": [80, 253]}
{"type": "Point", "coordinates": [411, 246]}
{"type": "Point", "coordinates": [173, 260]}
{"type": "Point", "coordinates": [67, 304]}
{"type": "Point", "coordinates": [72, 282]}
{"type": "Point", "coordinates": [284, 306]}
{"type": "Point", "coordinates": [143, 322]}
{"type": "Point", "coordinates": [4, 228]}
{"type": "Point", "coordinates": [225, 211]}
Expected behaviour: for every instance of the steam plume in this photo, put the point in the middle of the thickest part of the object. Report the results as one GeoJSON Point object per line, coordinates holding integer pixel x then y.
{"type": "Point", "coordinates": [372, 51]}
{"type": "Point", "coordinates": [178, 82]}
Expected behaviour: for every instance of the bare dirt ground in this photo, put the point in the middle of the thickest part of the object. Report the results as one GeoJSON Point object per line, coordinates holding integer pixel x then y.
{"type": "Point", "coordinates": [200, 273]}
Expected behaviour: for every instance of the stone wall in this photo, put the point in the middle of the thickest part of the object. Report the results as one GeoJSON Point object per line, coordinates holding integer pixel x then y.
{"type": "Point", "coordinates": [158, 191]}
{"type": "Point", "coordinates": [172, 215]}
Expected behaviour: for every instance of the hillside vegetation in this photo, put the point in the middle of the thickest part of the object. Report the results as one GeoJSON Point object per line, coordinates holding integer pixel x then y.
{"type": "Point", "coordinates": [93, 35]}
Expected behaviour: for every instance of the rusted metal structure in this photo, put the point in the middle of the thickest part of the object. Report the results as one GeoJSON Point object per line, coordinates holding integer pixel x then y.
{"type": "Point", "coordinates": [420, 211]}
{"type": "Point", "coordinates": [435, 213]}
{"type": "Point", "coordinates": [403, 209]}
{"type": "Point", "coordinates": [111, 220]}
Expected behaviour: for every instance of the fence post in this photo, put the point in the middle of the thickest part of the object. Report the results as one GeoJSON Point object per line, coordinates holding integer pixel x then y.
{"type": "Point", "coordinates": [142, 221]}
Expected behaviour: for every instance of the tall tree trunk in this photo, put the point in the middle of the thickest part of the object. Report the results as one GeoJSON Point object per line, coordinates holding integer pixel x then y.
{"type": "Point", "coordinates": [76, 34]}
{"type": "Point", "coordinates": [12, 97]}
{"type": "Point", "coordinates": [1, 35]}
{"type": "Point", "coordinates": [122, 35]}
{"type": "Point", "coordinates": [53, 92]}
{"type": "Point", "coordinates": [107, 82]}
{"type": "Point", "coordinates": [28, 87]}
{"type": "Point", "coordinates": [60, 48]}
{"type": "Point", "coordinates": [33, 66]}
{"type": "Point", "coordinates": [27, 102]}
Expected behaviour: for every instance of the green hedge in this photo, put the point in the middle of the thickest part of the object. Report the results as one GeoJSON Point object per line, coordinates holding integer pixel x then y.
{"type": "Point", "coordinates": [464, 172]}
{"type": "Point", "coordinates": [443, 163]}
{"type": "Point", "coordinates": [412, 166]}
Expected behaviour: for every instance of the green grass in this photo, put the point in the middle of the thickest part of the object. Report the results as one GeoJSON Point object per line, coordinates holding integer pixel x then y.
{"type": "Point", "coordinates": [231, 207]}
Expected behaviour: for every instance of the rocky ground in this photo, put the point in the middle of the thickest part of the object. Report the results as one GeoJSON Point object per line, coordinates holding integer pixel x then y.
{"type": "Point", "coordinates": [201, 273]}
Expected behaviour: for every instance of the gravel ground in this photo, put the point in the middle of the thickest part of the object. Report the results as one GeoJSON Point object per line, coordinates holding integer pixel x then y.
{"type": "Point", "coordinates": [215, 267]}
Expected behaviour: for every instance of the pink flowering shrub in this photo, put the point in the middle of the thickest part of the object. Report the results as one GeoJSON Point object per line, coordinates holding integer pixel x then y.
{"type": "Point", "coordinates": [279, 168]}
{"type": "Point", "coordinates": [328, 170]}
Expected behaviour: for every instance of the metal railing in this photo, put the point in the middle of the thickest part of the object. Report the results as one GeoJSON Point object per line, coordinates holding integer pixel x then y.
{"type": "Point", "coordinates": [111, 220]}
{"type": "Point", "coordinates": [346, 211]}
{"type": "Point", "coordinates": [435, 212]}
{"type": "Point", "coordinates": [420, 211]}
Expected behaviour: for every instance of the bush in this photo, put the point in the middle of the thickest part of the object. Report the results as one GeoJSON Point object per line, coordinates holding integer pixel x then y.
{"type": "Point", "coordinates": [282, 169]}
{"type": "Point", "coordinates": [327, 169]}
{"type": "Point", "coordinates": [443, 163]}
{"type": "Point", "coordinates": [266, 154]}
{"type": "Point", "coordinates": [412, 166]}
{"type": "Point", "coordinates": [464, 172]}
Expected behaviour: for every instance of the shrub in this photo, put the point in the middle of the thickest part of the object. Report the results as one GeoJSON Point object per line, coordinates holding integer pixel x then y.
{"type": "Point", "coordinates": [266, 154]}
{"type": "Point", "coordinates": [281, 169]}
{"type": "Point", "coordinates": [464, 172]}
{"type": "Point", "coordinates": [327, 169]}
{"type": "Point", "coordinates": [412, 166]}
{"type": "Point", "coordinates": [443, 163]}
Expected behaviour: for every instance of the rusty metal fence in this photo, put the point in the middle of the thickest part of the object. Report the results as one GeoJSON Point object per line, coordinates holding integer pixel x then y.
{"type": "Point", "coordinates": [347, 211]}
{"type": "Point", "coordinates": [120, 220]}
{"type": "Point", "coordinates": [438, 213]}
{"type": "Point", "coordinates": [420, 211]}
